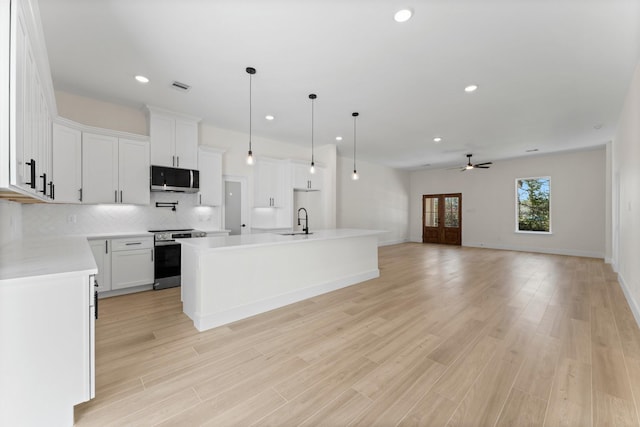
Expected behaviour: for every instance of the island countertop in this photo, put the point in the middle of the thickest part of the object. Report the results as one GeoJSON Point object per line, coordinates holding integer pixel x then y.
{"type": "Point", "coordinates": [269, 239]}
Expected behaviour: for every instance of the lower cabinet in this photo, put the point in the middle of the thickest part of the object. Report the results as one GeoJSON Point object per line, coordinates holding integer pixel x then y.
{"type": "Point", "coordinates": [102, 255]}
{"type": "Point", "coordinates": [131, 262]}
{"type": "Point", "coordinates": [123, 262]}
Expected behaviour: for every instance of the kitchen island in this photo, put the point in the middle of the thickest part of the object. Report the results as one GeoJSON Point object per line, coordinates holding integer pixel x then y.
{"type": "Point", "coordinates": [225, 279]}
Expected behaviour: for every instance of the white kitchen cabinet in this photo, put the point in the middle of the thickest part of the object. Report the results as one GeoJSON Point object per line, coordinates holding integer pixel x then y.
{"type": "Point", "coordinates": [102, 255]}
{"type": "Point", "coordinates": [268, 183]}
{"type": "Point", "coordinates": [131, 262]}
{"type": "Point", "coordinates": [47, 324]}
{"type": "Point", "coordinates": [67, 163]}
{"type": "Point", "coordinates": [304, 180]}
{"type": "Point", "coordinates": [114, 170]}
{"type": "Point", "coordinates": [133, 171]}
{"type": "Point", "coordinates": [210, 167]}
{"type": "Point", "coordinates": [99, 168]}
{"type": "Point", "coordinates": [27, 115]}
{"type": "Point", "coordinates": [174, 139]}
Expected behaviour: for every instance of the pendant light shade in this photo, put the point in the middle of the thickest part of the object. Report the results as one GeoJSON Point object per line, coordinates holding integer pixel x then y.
{"type": "Point", "coordinates": [355, 175]}
{"type": "Point", "coordinates": [312, 169]}
{"type": "Point", "coordinates": [251, 71]}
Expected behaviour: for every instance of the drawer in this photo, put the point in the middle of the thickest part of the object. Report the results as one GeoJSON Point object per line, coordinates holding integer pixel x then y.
{"type": "Point", "coordinates": [130, 244]}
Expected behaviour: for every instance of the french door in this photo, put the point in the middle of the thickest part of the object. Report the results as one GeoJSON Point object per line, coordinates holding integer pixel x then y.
{"type": "Point", "coordinates": [442, 218]}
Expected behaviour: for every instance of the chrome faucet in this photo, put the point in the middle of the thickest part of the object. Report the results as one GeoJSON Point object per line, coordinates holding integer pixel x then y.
{"type": "Point", "coordinates": [306, 220]}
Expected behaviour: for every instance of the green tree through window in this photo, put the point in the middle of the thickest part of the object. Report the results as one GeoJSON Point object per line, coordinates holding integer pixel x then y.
{"type": "Point", "coordinates": [533, 201]}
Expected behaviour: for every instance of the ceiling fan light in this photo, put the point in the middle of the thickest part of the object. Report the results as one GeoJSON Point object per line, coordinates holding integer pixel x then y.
{"type": "Point", "coordinates": [469, 167]}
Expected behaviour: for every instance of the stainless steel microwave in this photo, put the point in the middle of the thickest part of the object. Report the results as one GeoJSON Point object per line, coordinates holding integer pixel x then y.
{"type": "Point", "coordinates": [174, 179]}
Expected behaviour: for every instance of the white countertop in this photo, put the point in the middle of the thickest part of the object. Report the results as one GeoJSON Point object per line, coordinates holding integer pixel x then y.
{"type": "Point", "coordinates": [269, 239]}
{"type": "Point", "coordinates": [46, 256]}
{"type": "Point", "coordinates": [115, 235]}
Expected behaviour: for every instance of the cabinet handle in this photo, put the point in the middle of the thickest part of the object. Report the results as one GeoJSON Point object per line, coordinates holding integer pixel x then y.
{"type": "Point", "coordinates": [32, 174]}
{"type": "Point", "coordinates": [151, 255]}
{"type": "Point", "coordinates": [106, 246]}
{"type": "Point", "coordinates": [200, 198]}
{"type": "Point", "coordinates": [80, 190]}
{"type": "Point", "coordinates": [177, 161]}
{"type": "Point", "coordinates": [133, 243]}
{"type": "Point", "coordinates": [120, 196]}
{"type": "Point", "coordinates": [51, 189]}
{"type": "Point", "coordinates": [173, 160]}
{"type": "Point", "coordinates": [115, 195]}
{"type": "Point", "coordinates": [44, 184]}
{"type": "Point", "coordinates": [95, 302]}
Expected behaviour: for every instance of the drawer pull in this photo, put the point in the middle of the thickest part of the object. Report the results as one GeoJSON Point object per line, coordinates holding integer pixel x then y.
{"type": "Point", "coordinates": [133, 243]}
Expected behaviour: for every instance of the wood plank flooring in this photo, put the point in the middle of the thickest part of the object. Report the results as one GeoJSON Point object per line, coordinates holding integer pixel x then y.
{"type": "Point", "coordinates": [446, 336]}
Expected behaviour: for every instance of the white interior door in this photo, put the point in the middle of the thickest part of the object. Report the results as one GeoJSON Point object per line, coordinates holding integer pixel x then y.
{"type": "Point", "coordinates": [235, 215]}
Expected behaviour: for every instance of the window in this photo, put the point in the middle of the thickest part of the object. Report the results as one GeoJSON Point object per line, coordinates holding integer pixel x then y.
{"type": "Point", "coordinates": [533, 205]}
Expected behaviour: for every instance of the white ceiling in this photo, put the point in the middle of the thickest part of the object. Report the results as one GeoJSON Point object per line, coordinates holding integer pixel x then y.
{"type": "Point", "coordinates": [549, 71]}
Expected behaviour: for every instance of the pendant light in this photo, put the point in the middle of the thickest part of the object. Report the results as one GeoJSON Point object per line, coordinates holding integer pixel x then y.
{"type": "Point", "coordinates": [355, 172]}
{"type": "Point", "coordinates": [251, 71]}
{"type": "Point", "coordinates": [312, 169]}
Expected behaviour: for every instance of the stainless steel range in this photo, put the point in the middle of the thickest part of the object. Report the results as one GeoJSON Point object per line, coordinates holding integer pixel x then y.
{"type": "Point", "coordinates": [166, 263]}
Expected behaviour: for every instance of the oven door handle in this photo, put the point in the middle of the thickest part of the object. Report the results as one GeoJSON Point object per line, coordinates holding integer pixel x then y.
{"type": "Point", "coordinates": [166, 243]}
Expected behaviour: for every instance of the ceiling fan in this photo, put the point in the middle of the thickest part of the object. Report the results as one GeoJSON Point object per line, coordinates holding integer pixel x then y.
{"type": "Point", "coordinates": [469, 165]}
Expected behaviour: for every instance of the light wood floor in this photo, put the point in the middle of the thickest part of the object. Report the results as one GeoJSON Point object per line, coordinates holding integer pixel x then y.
{"type": "Point", "coordinates": [446, 336]}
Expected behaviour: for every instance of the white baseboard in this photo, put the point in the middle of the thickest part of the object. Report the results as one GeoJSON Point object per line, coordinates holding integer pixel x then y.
{"type": "Point", "coordinates": [392, 242]}
{"type": "Point", "coordinates": [635, 309]}
{"type": "Point", "coordinates": [553, 251]}
{"type": "Point", "coordinates": [203, 321]}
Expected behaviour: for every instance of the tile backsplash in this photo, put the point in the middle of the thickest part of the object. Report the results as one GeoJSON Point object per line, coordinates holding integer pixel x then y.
{"type": "Point", "coordinates": [52, 219]}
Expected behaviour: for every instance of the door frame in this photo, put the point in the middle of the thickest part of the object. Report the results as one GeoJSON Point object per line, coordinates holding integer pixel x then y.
{"type": "Point", "coordinates": [442, 206]}
{"type": "Point", "coordinates": [245, 216]}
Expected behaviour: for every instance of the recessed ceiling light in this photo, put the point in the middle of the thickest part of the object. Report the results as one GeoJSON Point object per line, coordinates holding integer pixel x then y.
{"type": "Point", "coordinates": [403, 15]}
{"type": "Point", "coordinates": [598, 126]}
{"type": "Point", "coordinates": [437, 139]}
{"type": "Point", "coordinates": [338, 138]}
{"type": "Point", "coordinates": [269, 117]}
{"type": "Point", "coordinates": [142, 79]}
{"type": "Point", "coordinates": [471, 88]}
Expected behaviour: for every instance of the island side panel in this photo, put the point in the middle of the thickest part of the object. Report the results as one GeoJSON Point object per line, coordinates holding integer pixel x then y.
{"type": "Point", "coordinates": [189, 276]}
{"type": "Point", "coordinates": [238, 283]}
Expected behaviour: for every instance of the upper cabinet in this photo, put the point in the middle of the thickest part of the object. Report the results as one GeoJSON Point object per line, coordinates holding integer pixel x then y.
{"type": "Point", "coordinates": [25, 120]}
{"type": "Point", "coordinates": [67, 164]}
{"type": "Point", "coordinates": [174, 139]}
{"type": "Point", "coordinates": [268, 183]}
{"type": "Point", "coordinates": [304, 180]}
{"type": "Point", "coordinates": [210, 167]}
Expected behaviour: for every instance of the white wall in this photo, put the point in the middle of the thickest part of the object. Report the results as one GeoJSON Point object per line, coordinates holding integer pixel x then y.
{"type": "Point", "coordinates": [379, 200]}
{"type": "Point", "coordinates": [488, 202]}
{"type": "Point", "coordinates": [626, 197]}
{"type": "Point", "coordinates": [10, 221]}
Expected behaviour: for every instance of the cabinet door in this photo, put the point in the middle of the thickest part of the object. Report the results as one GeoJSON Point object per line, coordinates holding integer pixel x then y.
{"type": "Point", "coordinates": [102, 255]}
{"type": "Point", "coordinates": [99, 168]}
{"type": "Point", "coordinates": [316, 179]}
{"type": "Point", "coordinates": [186, 143]}
{"type": "Point", "coordinates": [131, 268]}
{"type": "Point", "coordinates": [133, 171]}
{"type": "Point", "coordinates": [301, 176]}
{"type": "Point", "coordinates": [67, 163]}
{"type": "Point", "coordinates": [210, 167]}
{"type": "Point", "coordinates": [267, 182]}
{"type": "Point", "coordinates": [162, 130]}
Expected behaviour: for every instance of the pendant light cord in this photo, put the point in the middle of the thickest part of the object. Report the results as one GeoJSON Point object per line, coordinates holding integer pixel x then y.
{"type": "Point", "coordinates": [312, 102]}
{"type": "Point", "coordinates": [355, 115]}
{"type": "Point", "coordinates": [250, 107]}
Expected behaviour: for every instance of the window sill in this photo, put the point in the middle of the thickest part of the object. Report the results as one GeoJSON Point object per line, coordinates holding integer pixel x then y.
{"type": "Point", "coordinates": [544, 233]}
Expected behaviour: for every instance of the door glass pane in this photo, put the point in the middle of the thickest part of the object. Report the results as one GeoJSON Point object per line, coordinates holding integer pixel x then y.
{"type": "Point", "coordinates": [451, 212]}
{"type": "Point", "coordinates": [431, 212]}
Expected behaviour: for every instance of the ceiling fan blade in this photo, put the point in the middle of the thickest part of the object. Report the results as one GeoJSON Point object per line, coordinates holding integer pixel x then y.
{"type": "Point", "coordinates": [482, 164]}
{"type": "Point", "coordinates": [481, 167]}
{"type": "Point", "coordinates": [463, 169]}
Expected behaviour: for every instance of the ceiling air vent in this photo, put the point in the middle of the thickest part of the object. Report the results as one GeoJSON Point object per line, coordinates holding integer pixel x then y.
{"type": "Point", "coordinates": [182, 87]}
